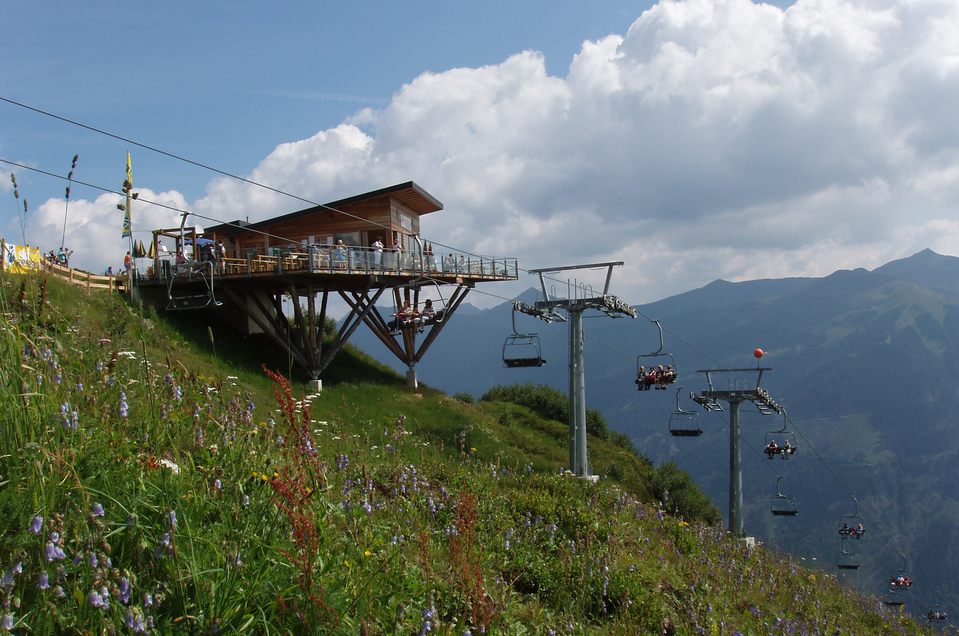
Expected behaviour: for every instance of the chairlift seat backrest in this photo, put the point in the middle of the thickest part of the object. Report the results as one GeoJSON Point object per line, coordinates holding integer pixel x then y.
{"type": "Point", "coordinates": [684, 424]}
{"type": "Point", "coordinates": [522, 351]}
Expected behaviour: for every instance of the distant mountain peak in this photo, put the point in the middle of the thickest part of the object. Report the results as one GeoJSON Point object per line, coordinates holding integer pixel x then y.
{"type": "Point", "coordinates": [926, 268]}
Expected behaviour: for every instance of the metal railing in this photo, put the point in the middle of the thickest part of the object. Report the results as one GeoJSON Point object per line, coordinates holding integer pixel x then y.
{"type": "Point", "coordinates": [331, 259]}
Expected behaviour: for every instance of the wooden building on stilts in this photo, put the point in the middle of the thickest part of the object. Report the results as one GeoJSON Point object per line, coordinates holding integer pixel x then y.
{"type": "Point", "coordinates": [365, 249]}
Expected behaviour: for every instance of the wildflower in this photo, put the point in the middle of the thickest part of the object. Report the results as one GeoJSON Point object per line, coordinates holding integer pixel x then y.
{"type": "Point", "coordinates": [124, 588]}
{"type": "Point", "coordinates": [7, 580]}
{"type": "Point", "coordinates": [171, 519]}
{"type": "Point", "coordinates": [44, 583]}
{"type": "Point", "coordinates": [54, 552]}
{"type": "Point", "coordinates": [37, 525]}
{"type": "Point", "coordinates": [7, 622]}
{"type": "Point", "coordinates": [97, 510]}
{"type": "Point", "coordinates": [135, 622]}
{"type": "Point", "coordinates": [79, 386]}
{"type": "Point", "coordinates": [96, 600]}
{"type": "Point", "coordinates": [246, 500]}
{"type": "Point", "coordinates": [218, 485]}
{"type": "Point", "coordinates": [147, 600]}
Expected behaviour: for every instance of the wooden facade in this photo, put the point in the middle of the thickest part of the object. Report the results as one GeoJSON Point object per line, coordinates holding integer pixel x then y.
{"type": "Point", "coordinates": [390, 214]}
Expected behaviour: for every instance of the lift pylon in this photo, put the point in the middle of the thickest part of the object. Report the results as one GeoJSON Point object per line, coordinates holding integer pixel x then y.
{"type": "Point", "coordinates": [736, 392]}
{"type": "Point", "coordinates": [582, 297]}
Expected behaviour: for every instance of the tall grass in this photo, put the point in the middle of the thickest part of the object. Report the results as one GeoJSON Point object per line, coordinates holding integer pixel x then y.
{"type": "Point", "coordinates": [144, 492]}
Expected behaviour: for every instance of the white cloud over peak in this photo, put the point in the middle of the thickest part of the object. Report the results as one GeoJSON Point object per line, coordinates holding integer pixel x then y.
{"type": "Point", "coordinates": [716, 138]}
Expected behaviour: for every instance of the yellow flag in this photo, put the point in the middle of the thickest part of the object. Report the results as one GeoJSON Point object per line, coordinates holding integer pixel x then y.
{"type": "Point", "coordinates": [127, 218]}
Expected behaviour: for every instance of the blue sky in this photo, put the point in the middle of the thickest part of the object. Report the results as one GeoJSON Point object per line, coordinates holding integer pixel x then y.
{"type": "Point", "coordinates": [692, 140]}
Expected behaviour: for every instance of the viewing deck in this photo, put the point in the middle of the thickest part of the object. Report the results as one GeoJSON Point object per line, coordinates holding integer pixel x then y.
{"type": "Point", "coordinates": [344, 268]}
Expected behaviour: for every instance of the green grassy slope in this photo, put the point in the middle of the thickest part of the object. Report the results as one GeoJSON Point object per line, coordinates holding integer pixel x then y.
{"type": "Point", "coordinates": [150, 486]}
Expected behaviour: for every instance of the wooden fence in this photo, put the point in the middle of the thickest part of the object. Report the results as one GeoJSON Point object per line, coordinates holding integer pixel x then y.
{"type": "Point", "coordinates": [85, 279]}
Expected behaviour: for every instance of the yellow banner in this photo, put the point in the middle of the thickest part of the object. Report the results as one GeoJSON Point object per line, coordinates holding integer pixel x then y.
{"type": "Point", "coordinates": [21, 260]}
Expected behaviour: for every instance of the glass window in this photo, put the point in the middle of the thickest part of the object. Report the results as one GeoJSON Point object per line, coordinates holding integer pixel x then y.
{"type": "Point", "coordinates": [351, 239]}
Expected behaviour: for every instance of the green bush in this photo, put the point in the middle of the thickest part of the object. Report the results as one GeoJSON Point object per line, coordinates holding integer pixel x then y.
{"type": "Point", "coordinates": [681, 496]}
{"type": "Point", "coordinates": [465, 397]}
{"type": "Point", "coordinates": [549, 403]}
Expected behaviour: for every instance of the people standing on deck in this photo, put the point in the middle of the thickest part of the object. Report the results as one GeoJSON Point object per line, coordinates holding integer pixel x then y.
{"type": "Point", "coordinates": [378, 252]}
{"type": "Point", "coordinates": [339, 255]}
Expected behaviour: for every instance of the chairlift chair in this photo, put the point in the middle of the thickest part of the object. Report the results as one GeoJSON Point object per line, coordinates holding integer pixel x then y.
{"type": "Point", "coordinates": [937, 612]}
{"type": "Point", "coordinates": [846, 560]}
{"type": "Point", "coordinates": [684, 423]}
{"type": "Point", "coordinates": [439, 303]}
{"type": "Point", "coordinates": [783, 505]}
{"type": "Point", "coordinates": [851, 526]}
{"type": "Point", "coordinates": [893, 599]}
{"type": "Point", "coordinates": [784, 440]}
{"type": "Point", "coordinates": [522, 350]}
{"type": "Point", "coordinates": [899, 581]}
{"type": "Point", "coordinates": [899, 584]}
{"type": "Point", "coordinates": [196, 270]}
{"type": "Point", "coordinates": [654, 359]}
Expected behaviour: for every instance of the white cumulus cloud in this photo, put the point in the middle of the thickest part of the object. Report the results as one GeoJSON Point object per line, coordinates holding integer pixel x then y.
{"type": "Point", "coordinates": [715, 138]}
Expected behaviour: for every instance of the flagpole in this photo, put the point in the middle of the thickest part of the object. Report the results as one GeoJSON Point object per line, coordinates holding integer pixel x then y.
{"type": "Point", "coordinates": [134, 295]}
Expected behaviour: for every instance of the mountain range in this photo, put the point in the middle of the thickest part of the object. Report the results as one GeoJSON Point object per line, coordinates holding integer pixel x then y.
{"type": "Point", "coordinates": [865, 363]}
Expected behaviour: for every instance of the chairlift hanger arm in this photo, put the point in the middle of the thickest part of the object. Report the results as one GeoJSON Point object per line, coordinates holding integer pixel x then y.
{"type": "Point", "coordinates": [556, 270]}
{"type": "Point", "coordinates": [542, 314]}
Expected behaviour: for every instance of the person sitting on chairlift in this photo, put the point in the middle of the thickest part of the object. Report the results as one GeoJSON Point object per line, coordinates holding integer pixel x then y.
{"type": "Point", "coordinates": [426, 315]}
{"type": "Point", "coordinates": [771, 449]}
{"type": "Point", "coordinates": [900, 581]}
{"type": "Point", "coordinates": [787, 449]}
{"type": "Point", "coordinates": [402, 318]}
{"type": "Point", "coordinates": [669, 376]}
{"type": "Point", "coordinates": [641, 380]}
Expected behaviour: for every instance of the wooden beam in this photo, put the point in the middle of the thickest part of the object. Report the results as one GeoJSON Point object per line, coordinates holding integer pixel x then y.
{"type": "Point", "coordinates": [305, 332]}
{"type": "Point", "coordinates": [285, 345]}
{"type": "Point", "coordinates": [352, 322]}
